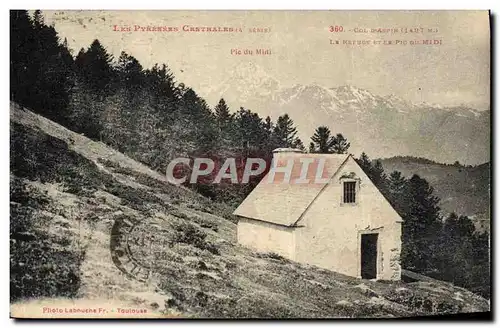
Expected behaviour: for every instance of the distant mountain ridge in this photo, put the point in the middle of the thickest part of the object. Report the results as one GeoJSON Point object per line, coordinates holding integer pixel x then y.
{"type": "Point", "coordinates": [464, 190]}
{"type": "Point", "coordinates": [382, 126]}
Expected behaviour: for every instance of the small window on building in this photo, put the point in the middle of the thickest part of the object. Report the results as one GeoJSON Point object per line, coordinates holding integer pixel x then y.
{"type": "Point", "coordinates": [350, 192]}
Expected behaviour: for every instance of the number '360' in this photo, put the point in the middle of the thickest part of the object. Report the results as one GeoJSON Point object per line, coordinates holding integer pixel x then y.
{"type": "Point", "coordinates": [336, 28]}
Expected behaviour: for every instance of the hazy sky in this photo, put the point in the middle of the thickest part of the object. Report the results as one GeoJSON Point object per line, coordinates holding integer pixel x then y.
{"type": "Point", "coordinates": [453, 73]}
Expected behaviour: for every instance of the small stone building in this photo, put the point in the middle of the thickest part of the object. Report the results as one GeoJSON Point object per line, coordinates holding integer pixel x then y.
{"type": "Point", "coordinates": [330, 215]}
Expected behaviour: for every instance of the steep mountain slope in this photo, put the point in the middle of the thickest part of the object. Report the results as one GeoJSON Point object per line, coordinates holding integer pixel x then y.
{"type": "Point", "coordinates": [68, 194]}
{"type": "Point", "coordinates": [384, 126]}
{"type": "Point", "coordinates": [463, 190]}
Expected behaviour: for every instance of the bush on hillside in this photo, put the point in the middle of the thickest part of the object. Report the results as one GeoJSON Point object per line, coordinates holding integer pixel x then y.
{"type": "Point", "coordinates": [189, 234]}
{"type": "Point", "coordinates": [41, 265]}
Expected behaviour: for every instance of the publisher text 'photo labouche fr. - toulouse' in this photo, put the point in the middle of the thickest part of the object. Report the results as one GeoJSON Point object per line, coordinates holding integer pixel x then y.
{"type": "Point", "coordinates": [249, 164]}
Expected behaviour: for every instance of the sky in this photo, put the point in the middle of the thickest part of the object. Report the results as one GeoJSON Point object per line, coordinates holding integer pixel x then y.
{"type": "Point", "coordinates": [454, 72]}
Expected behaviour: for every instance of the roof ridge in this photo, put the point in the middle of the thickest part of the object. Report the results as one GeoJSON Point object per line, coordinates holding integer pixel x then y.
{"type": "Point", "coordinates": [284, 203]}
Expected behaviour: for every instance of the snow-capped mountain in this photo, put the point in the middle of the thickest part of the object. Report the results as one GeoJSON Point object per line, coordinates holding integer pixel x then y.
{"type": "Point", "coordinates": [246, 83]}
{"type": "Point", "coordinates": [382, 126]}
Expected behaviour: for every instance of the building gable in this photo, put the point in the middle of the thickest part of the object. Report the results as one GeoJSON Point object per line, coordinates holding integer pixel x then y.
{"type": "Point", "coordinates": [369, 199]}
{"type": "Point", "coordinates": [286, 203]}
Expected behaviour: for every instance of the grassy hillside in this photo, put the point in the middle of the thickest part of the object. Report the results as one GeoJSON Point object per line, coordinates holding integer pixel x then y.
{"type": "Point", "coordinates": [67, 194]}
{"type": "Point", "coordinates": [464, 190]}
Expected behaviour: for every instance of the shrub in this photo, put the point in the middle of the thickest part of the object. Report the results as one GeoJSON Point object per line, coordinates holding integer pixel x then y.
{"type": "Point", "coordinates": [189, 234]}
{"type": "Point", "coordinates": [40, 265]}
{"type": "Point", "coordinates": [272, 255]}
{"type": "Point", "coordinates": [106, 162]}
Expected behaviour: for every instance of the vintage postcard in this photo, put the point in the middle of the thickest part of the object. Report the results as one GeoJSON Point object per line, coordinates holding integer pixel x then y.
{"type": "Point", "coordinates": [249, 164]}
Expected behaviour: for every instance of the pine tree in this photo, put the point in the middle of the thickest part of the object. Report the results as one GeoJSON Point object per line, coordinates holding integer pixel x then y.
{"type": "Point", "coordinates": [480, 275]}
{"type": "Point", "coordinates": [298, 144]}
{"type": "Point", "coordinates": [80, 58]}
{"type": "Point", "coordinates": [421, 224]}
{"type": "Point", "coordinates": [41, 67]}
{"type": "Point", "coordinates": [378, 176]}
{"type": "Point", "coordinates": [455, 255]}
{"type": "Point", "coordinates": [375, 171]}
{"type": "Point", "coordinates": [222, 113]}
{"type": "Point", "coordinates": [130, 72]}
{"type": "Point", "coordinates": [38, 19]}
{"type": "Point", "coordinates": [322, 140]}
{"type": "Point", "coordinates": [249, 130]}
{"type": "Point", "coordinates": [312, 148]}
{"type": "Point", "coordinates": [396, 186]}
{"type": "Point", "coordinates": [166, 96]}
{"type": "Point", "coordinates": [462, 255]}
{"type": "Point", "coordinates": [396, 183]}
{"type": "Point", "coordinates": [193, 105]}
{"type": "Point", "coordinates": [161, 81]}
{"type": "Point", "coordinates": [195, 109]}
{"type": "Point", "coordinates": [365, 163]}
{"type": "Point", "coordinates": [223, 121]}
{"type": "Point", "coordinates": [94, 66]}
{"type": "Point", "coordinates": [21, 51]}
{"type": "Point", "coordinates": [268, 125]}
{"type": "Point", "coordinates": [285, 131]}
{"type": "Point", "coordinates": [340, 144]}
